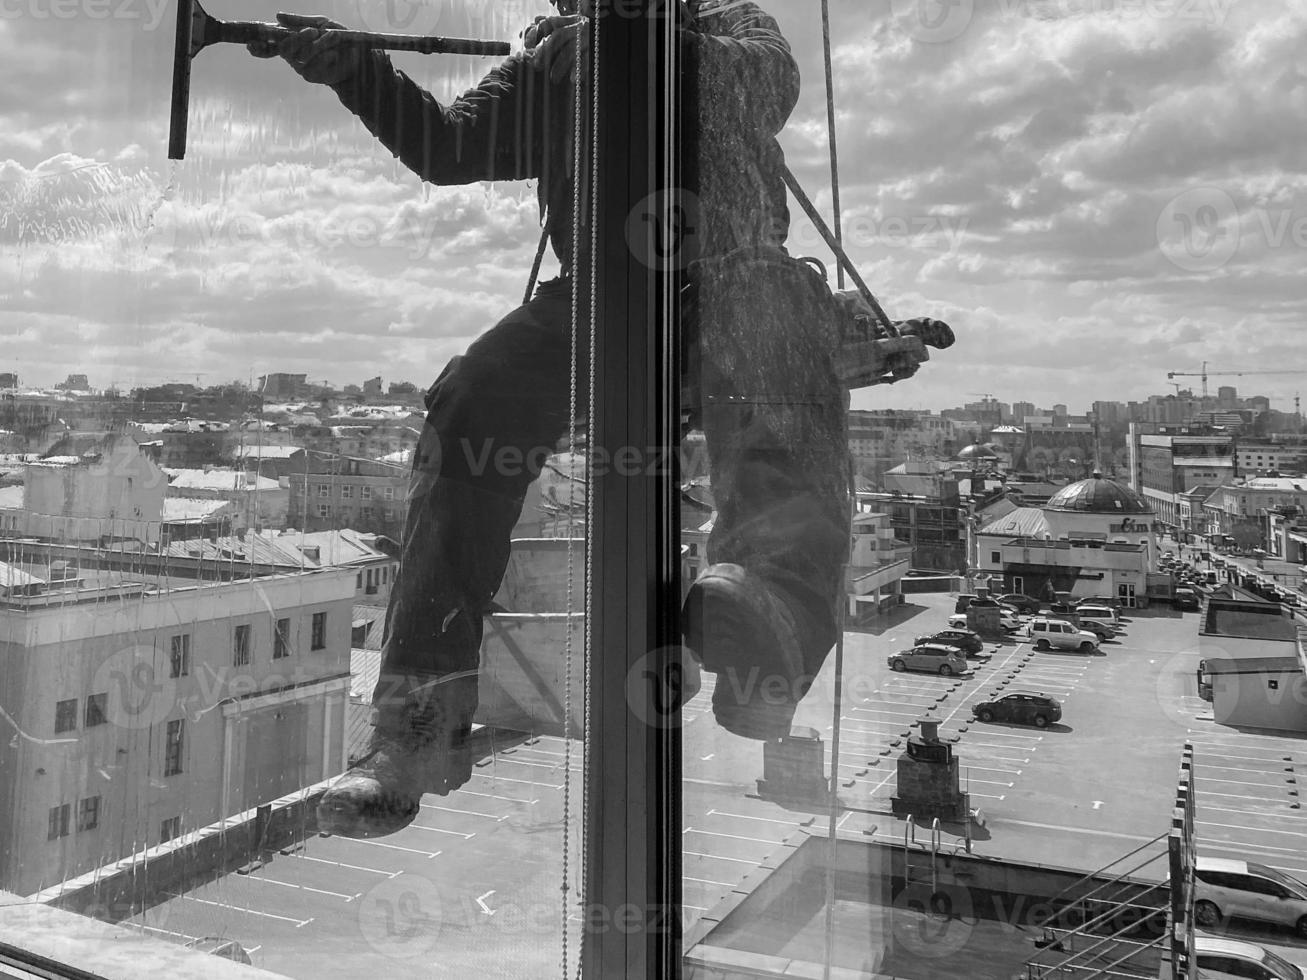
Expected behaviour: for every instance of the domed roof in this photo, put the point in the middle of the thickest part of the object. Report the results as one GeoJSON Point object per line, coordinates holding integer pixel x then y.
{"type": "Point", "coordinates": [1098, 496]}
{"type": "Point", "coordinates": [977, 451]}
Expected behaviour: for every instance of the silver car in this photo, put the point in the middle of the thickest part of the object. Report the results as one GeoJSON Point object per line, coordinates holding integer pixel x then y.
{"type": "Point", "coordinates": [1241, 889]}
{"type": "Point", "coordinates": [934, 658]}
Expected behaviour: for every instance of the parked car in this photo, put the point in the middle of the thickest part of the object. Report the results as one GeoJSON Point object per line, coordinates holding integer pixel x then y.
{"type": "Point", "coordinates": [1104, 631]}
{"type": "Point", "coordinates": [1009, 622]}
{"type": "Point", "coordinates": [1104, 614]}
{"type": "Point", "coordinates": [1185, 598]}
{"type": "Point", "coordinates": [1047, 633]}
{"type": "Point", "coordinates": [1022, 708]}
{"type": "Point", "coordinates": [965, 640]}
{"type": "Point", "coordinates": [1100, 600]}
{"type": "Point", "coordinates": [1241, 889]}
{"type": "Point", "coordinates": [1229, 959]}
{"type": "Point", "coordinates": [934, 658]}
{"type": "Point", "coordinates": [966, 599]}
{"type": "Point", "coordinates": [1022, 603]}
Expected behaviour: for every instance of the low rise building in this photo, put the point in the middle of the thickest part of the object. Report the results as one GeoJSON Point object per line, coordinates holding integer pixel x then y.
{"type": "Point", "coordinates": [258, 503]}
{"type": "Point", "coordinates": [1253, 662]}
{"type": "Point", "coordinates": [152, 697]}
{"type": "Point", "coordinates": [330, 492]}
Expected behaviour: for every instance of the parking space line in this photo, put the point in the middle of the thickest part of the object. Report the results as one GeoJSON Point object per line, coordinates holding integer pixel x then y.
{"type": "Point", "coordinates": [709, 881]}
{"type": "Point", "coordinates": [1240, 782]}
{"type": "Point", "coordinates": [1252, 813]}
{"type": "Point", "coordinates": [552, 766]}
{"type": "Point", "coordinates": [745, 816]}
{"type": "Point", "coordinates": [966, 765]}
{"type": "Point", "coordinates": [442, 830]}
{"type": "Point", "coordinates": [470, 813]}
{"type": "Point", "coordinates": [524, 782]}
{"type": "Point", "coordinates": [711, 833]}
{"type": "Point", "coordinates": [718, 857]}
{"type": "Point", "coordinates": [493, 796]}
{"type": "Point", "coordinates": [394, 847]}
{"type": "Point", "coordinates": [1279, 760]}
{"type": "Point", "coordinates": [988, 782]}
{"type": "Point", "coordinates": [306, 888]}
{"type": "Point", "coordinates": [1267, 772]}
{"type": "Point", "coordinates": [1260, 830]}
{"type": "Point", "coordinates": [236, 908]}
{"type": "Point", "coordinates": [341, 864]}
{"type": "Point", "coordinates": [883, 711]}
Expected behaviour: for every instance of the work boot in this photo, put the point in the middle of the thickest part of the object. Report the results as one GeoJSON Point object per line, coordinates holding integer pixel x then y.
{"type": "Point", "coordinates": [746, 635]}
{"type": "Point", "coordinates": [421, 748]}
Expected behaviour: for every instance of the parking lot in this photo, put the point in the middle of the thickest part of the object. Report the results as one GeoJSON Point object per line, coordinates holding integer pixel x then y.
{"type": "Point", "coordinates": [480, 870]}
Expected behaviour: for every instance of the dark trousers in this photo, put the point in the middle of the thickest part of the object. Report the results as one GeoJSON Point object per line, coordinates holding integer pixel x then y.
{"type": "Point", "coordinates": [774, 418]}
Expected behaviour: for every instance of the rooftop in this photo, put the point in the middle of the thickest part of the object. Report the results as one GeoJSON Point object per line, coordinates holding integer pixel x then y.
{"type": "Point", "coordinates": [1098, 496]}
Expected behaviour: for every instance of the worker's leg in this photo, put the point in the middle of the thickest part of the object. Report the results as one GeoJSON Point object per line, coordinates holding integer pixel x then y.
{"type": "Point", "coordinates": [494, 416]}
{"type": "Point", "coordinates": [764, 614]}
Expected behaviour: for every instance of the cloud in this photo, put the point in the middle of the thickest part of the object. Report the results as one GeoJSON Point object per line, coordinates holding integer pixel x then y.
{"type": "Point", "coordinates": [1042, 176]}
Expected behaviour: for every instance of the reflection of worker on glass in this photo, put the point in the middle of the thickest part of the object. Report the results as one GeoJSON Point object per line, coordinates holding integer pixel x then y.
{"type": "Point", "coordinates": [759, 329]}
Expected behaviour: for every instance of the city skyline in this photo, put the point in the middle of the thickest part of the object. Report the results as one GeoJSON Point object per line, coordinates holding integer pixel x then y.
{"type": "Point", "coordinates": [1074, 217]}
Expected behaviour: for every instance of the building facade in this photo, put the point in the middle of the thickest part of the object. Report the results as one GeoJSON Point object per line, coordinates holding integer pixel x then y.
{"type": "Point", "coordinates": [148, 708]}
{"type": "Point", "coordinates": [331, 492]}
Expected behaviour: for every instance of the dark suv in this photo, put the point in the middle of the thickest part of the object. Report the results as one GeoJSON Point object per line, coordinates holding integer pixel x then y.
{"type": "Point", "coordinates": [965, 640]}
{"type": "Point", "coordinates": [1021, 708]}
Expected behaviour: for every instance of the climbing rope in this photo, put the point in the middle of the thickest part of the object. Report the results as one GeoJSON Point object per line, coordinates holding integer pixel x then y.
{"type": "Point", "coordinates": [830, 130]}
{"type": "Point", "coordinates": [579, 200]}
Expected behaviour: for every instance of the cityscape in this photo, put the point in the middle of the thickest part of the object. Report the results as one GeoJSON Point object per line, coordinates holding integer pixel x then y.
{"type": "Point", "coordinates": [239, 544]}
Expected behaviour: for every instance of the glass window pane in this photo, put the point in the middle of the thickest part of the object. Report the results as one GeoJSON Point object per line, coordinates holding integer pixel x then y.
{"type": "Point", "coordinates": [234, 386]}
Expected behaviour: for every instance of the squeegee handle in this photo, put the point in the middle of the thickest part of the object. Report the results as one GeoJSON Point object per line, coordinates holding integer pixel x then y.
{"type": "Point", "coordinates": [246, 32]}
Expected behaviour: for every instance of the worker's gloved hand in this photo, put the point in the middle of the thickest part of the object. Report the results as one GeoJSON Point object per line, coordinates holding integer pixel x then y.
{"type": "Point", "coordinates": [933, 333]}
{"type": "Point", "coordinates": [544, 26]}
{"type": "Point", "coordinates": [556, 43]}
{"type": "Point", "coordinates": [316, 55]}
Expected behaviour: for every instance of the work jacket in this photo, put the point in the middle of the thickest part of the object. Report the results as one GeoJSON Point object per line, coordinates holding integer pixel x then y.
{"type": "Point", "coordinates": [739, 86]}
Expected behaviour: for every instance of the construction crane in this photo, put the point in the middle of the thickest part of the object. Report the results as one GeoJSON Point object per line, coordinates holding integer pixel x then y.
{"type": "Point", "coordinates": [1205, 374]}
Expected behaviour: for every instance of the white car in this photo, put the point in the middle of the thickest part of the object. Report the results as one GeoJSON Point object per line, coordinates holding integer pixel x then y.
{"type": "Point", "coordinates": [1010, 622]}
{"type": "Point", "coordinates": [1241, 889]}
{"type": "Point", "coordinates": [1228, 959]}
{"type": "Point", "coordinates": [1046, 633]}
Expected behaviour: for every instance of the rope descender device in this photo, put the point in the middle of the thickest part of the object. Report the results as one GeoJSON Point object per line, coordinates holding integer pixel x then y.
{"type": "Point", "coordinates": [197, 29]}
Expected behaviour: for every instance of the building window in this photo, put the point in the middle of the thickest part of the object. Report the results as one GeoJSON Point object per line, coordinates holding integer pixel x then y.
{"type": "Point", "coordinates": [96, 706]}
{"type": "Point", "coordinates": [319, 631]}
{"type": "Point", "coordinates": [65, 716]}
{"type": "Point", "coordinates": [324, 490]}
{"type": "Point", "coordinates": [365, 493]}
{"type": "Point", "coordinates": [324, 510]}
{"type": "Point", "coordinates": [996, 558]}
{"type": "Point", "coordinates": [172, 748]}
{"type": "Point", "coordinates": [365, 513]}
{"type": "Point", "coordinates": [385, 574]}
{"type": "Point", "coordinates": [241, 646]}
{"type": "Point", "coordinates": [179, 655]}
{"type": "Point", "coordinates": [59, 821]}
{"type": "Point", "coordinates": [88, 813]}
{"type": "Point", "coordinates": [388, 493]}
{"type": "Point", "coordinates": [170, 828]}
{"type": "Point", "coordinates": [347, 492]}
{"type": "Point", "coordinates": [281, 640]}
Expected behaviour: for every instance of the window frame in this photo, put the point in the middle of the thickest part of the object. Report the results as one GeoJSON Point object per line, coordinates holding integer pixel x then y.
{"type": "Point", "coordinates": [318, 631]}
{"type": "Point", "coordinates": [179, 655]}
{"type": "Point", "coordinates": [83, 810]}
{"type": "Point", "coordinates": [174, 747]}
{"type": "Point", "coordinates": [100, 701]}
{"type": "Point", "coordinates": [58, 821]}
{"type": "Point", "coordinates": [65, 717]}
{"type": "Point", "coordinates": [281, 638]}
{"type": "Point", "coordinates": [242, 645]}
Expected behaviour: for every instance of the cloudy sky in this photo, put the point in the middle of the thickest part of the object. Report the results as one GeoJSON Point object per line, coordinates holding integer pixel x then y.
{"type": "Point", "coordinates": [1093, 192]}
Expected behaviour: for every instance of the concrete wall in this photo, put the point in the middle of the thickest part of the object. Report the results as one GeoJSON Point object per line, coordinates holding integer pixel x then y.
{"type": "Point", "coordinates": [121, 495]}
{"type": "Point", "coordinates": [1248, 701]}
{"type": "Point", "coordinates": [122, 649]}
